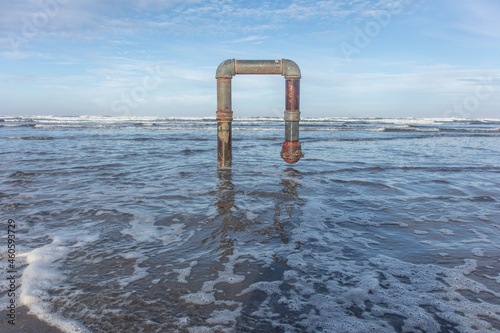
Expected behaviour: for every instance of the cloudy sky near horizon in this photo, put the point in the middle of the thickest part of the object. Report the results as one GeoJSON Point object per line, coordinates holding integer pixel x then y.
{"type": "Point", "coordinates": [359, 58]}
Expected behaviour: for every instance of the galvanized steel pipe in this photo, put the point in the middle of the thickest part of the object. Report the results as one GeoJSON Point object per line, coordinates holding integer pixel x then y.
{"type": "Point", "coordinates": [291, 151]}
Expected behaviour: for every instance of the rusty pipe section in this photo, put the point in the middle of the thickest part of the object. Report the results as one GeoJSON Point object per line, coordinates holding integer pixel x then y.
{"type": "Point", "coordinates": [291, 151]}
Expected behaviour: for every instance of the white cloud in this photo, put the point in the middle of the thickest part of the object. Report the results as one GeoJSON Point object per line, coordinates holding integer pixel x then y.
{"type": "Point", "coordinates": [253, 39]}
{"type": "Point", "coordinates": [469, 24]}
{"type": "Point", "coordinates": [91, 18]}
{"type": "Point", "coordinates": [479, 17]}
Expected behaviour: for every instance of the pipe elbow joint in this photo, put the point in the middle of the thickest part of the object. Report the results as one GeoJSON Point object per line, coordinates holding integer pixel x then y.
{"type": "Point", "coordinates": [226, 69]}
{"type": "Point", "coordinates": [291, 152]}
{"type": "Point", "coordinates": [290, 70]}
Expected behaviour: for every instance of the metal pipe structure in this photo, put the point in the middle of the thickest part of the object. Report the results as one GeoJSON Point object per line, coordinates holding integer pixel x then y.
{"type": "Point", "coordinates": [291, 151]}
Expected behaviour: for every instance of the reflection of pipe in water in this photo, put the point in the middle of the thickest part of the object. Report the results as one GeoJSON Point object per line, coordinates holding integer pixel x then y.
{"type": "Point", "coordinates": [290, 189]}
{"type": "Point", "coordinates": [291, 151]}
{"type": "Point", "coordinates": [226, 193]}
{"type": "Point", "coordinates": [290, 185]}
{"type": "Point", "coordinates": [234, 226]}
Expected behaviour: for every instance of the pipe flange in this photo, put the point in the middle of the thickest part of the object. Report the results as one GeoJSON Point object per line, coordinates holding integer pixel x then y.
{"type": "Point", "coordinates": [224, 115]}
{"type": "Point", "coordinates": [292, 116]}
{"type": "Point", "coordinates": [291, 152]}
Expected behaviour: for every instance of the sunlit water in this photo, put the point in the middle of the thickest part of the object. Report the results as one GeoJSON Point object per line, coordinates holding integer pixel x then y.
{"type": "Point", "coordinates": [125, 224]}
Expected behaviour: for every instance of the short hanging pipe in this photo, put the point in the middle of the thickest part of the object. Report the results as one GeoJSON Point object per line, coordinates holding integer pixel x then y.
{"type": "Point", "coordinates": [291, 151]}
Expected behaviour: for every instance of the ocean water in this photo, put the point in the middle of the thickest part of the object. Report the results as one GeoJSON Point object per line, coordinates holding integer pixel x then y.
{"type": "Point", "coordinates": [125, 224]}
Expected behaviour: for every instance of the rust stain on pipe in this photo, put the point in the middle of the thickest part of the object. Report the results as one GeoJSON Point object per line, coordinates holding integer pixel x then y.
{"type": "Point", "coordinates": [291, 152]}
{"type": "Point", "coordinates": [292, 91]}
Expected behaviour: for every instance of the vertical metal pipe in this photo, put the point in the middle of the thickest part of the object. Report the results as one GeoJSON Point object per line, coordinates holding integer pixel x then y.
{"type": "Point", "coordinates": [224, 122]}
{"type": "Point", "coordinates": [291, 151]}
{"type": "Point", "coordinates": [224, 153]}
{"type": "Point", "coordinates": [292, 114]}
{"type": "Point", "coordinates": [292, 91]}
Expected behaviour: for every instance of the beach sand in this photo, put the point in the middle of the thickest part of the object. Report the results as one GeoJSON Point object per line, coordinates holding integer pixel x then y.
{"type": "Point", "coordinates": [25, 323]}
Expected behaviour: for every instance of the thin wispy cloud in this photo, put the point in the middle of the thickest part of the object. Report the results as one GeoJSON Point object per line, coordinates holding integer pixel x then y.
{"type": "Point", "coordinates": [479, 17]}
{"type": "Point", "coordinates": [252, 39]}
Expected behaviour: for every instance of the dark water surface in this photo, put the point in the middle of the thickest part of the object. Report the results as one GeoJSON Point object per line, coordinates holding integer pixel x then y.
{"type": "Point", "coordinates": [125, 224]}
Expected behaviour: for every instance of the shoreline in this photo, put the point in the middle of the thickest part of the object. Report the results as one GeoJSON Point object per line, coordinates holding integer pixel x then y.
{"type": "Point", "coordinates": [25, 323]}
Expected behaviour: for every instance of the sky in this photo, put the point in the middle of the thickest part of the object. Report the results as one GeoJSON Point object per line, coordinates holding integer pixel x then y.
{"type": "Point", "coordinates": [358, 58]}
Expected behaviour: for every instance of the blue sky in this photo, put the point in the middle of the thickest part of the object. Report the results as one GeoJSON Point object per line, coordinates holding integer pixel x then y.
{"type": "Point", "coordinates": [359, 58]}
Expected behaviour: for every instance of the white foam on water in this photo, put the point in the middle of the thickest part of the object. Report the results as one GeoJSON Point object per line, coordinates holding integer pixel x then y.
{"type": "Point", "coordinates": [211, 212]}
{"type": "Point", "coordinates": [200, 329]}
{"type": "Point", "coordinates": [269, 287]}
{"type": "Point", "coordinates": [184, 272]}
{"type": "Point", "coordinates": [43, 274]}
{"type": "Point", "coordinates": [251, 216]}
{"type": "Point", "coordinates": [224, 319]}
{"type": "Point", "coordinates": [447, 232]}
{"type": "Point", "coordinates": [405, 291]}
{"type": "Point", "coordinates": [143, 229]}
{"type": "Point", "coordinates": [24, 196]}
{"type": "Point", "coordinates": [478, 252]}
{"type": "Point", "coordinates": [365, 241]}
{"type": "Point", "coordinates": [199, 298]}
{"type": "Point", "coordinates": [381, 293]}
{"type": "Point", "coordinates": [495, 278]}
{"type": "Point", "coordinates": [206, 294]}
{"type": "Point", "coordinates": [183, 321]}
{"type": "Point", "coordinates": [480, 238]}
{"type": "Point", "coordinates": [440, 288]}
{"type": "Point", "coordinates": [225, 316]}
{"type": "Point", "coordinates": [139, 272]}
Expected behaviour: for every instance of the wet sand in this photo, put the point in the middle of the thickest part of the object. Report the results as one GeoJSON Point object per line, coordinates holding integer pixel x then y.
{"type": "Point", "coordinates": [25, 323]}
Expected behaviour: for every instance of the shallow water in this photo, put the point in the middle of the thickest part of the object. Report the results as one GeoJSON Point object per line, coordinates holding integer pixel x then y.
{"type": "Point", "coordinates": [126, 224]}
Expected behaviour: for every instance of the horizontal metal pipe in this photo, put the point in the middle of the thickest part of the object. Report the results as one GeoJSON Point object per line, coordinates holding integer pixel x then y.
{"type": "Point", "coordinates": [230, 67]}
{"type": "Point", "coordinates": [257, 67]}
